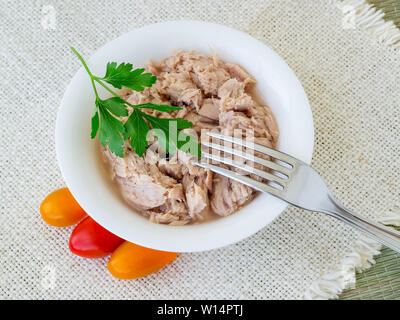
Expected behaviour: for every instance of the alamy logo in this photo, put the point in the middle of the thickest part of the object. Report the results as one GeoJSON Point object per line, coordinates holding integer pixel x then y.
{"type": "Point", "coordinates": [48, 277]}
{"type": "Point", "coordinates": [49, 17]}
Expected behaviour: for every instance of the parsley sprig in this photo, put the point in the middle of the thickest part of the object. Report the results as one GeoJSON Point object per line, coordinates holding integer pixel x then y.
{"type": "Point", "coordinates": [112, 131]}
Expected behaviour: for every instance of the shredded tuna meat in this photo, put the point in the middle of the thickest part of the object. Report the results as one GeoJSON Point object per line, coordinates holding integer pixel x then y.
{"type": "Point", "coordinates": [214, 95]}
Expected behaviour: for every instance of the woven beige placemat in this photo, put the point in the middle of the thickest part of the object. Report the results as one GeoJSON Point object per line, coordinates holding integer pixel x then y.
{"type": "Point", "coordinates": [354, 96]}
{"type": "Point", "coordinates": [382, 281]}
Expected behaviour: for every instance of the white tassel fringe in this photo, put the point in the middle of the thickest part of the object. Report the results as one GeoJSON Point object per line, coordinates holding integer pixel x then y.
{"type": "Point", "coordinates": [360, 258]}
{"type": "Point", "coordinates": [362, 14]}
{"type": "Point", "coordinates": [392, 217]}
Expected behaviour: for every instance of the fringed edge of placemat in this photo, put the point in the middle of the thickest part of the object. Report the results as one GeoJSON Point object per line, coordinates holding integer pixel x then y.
{"type": "Point", "coordinates": [359, 259]}
{"type": "Point", "coordinates": [358, 13]}
{"type": "Point", "coordinates": [391, 217]}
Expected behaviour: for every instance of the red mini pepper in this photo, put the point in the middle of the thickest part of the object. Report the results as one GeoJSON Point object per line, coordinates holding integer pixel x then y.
{"type": "Point", "coordinates": [91, 240]}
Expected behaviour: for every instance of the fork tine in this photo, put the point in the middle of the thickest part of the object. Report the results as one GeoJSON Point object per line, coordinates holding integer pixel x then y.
{"type": "Point", "coordinates": [255, 146]}
{"type": "Point", "coordinates": [266, 163]}
{"type": "Point", "coordinates": [244, 167]}
{"type": "Point", "coordinates": [240, 178]}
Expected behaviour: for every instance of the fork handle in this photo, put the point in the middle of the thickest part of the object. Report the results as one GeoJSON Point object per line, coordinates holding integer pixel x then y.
{"type": "Point", "coordinates": [383, 235]}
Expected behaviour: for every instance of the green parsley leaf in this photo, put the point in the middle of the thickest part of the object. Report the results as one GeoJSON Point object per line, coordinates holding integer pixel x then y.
{"type": "Point", "coordinates": [163, 123]}
{"type": "Point", "coordinates": [136, 128]}
{"type": "Point", "coordinates": [116, 106]}
{"type": "Point", "coordinates": [95, 124]}
{"type": "Point", "coordinates": [111, 130]}
{"type": "Point", "coordinates": [123, 75]}
{"type": "Point", "coordinates": [167, 138]}
{"type": "Point", "coordinates": [159, 107]}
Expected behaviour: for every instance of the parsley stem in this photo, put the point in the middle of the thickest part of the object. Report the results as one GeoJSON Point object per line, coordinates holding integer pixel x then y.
{"type": "Point", "coordinates": [83, 61]}
{"type": "Point", "coordinates": [98, 80]}
{"type": "Point", "coordinates": [87, 70]}
{"type": "Point", "coordinates": [93, 78]}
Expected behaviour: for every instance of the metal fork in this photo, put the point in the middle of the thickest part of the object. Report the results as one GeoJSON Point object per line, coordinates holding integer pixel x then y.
{"type": "Point", "coordinates": [293, 181]}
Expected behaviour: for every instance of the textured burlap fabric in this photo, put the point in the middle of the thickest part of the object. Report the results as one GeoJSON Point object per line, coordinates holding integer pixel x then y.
{"type": "Point", "coordinates": [352, 83]}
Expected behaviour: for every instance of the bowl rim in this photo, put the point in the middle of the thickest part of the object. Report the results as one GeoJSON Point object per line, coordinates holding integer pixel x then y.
{"type": "Point", "coordinates": [189, 238]}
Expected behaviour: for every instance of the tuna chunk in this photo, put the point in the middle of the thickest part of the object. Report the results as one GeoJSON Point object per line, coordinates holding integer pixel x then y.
{"type": "Point", "coordinates": [233, 97]}
{"type": "Point", "coordinates": [214, 95]}
{"type": "Point", "coordinates": [153, 68]}
{"type": "Point", "coordinates": [186, 61]}
{"type": "Point", "coordinates": [196, 182]}
{"type": "Point", "coordinates": [153, 94]}
{"type": "Point", "coordinates": [264, 117]}
{"type": "Point", "coordinates": [208, 73]}
{"type": "Point", "coordinates": [231, 88]}
{"type": "Point", "coordinates": [210, 78]}
{"type": "Point", "coordinates": [180, 88]}
{"type": "Point", "coordinates": [144, 186]}
{"type": "Point", "coordinates": [196, 196]}
{"type": "Point", "coordinates": [210, 109]}
{"type": "Point", "coordinates": [170, 167]}
{"type": "Point", "coordinates": [231, 121]}
{"type": "Point", "coordinates": [200, 122]}
{"type": "Point", "coordinates": [239, 73]}
{"type": "Point", "coordinates": [229, 195]}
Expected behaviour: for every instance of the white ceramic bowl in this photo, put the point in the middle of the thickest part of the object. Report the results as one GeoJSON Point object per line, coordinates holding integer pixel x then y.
{"type": "Point", "coordinates": [78, 157]}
